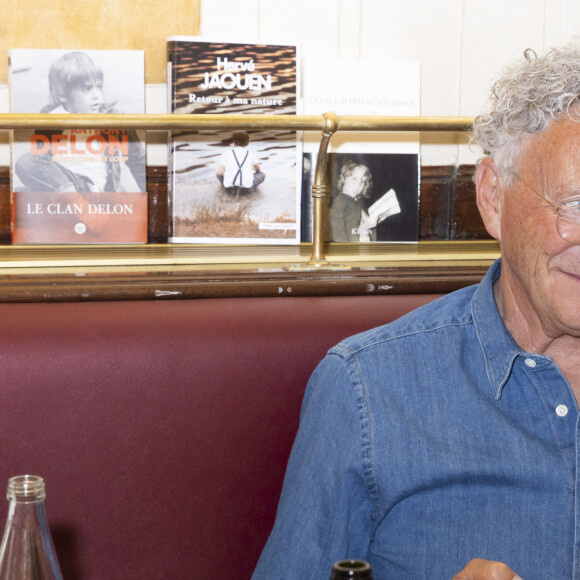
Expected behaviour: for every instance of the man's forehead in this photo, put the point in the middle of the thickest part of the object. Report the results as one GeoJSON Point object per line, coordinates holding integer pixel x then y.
{"type": "Point", "coordinates": [557, 147]}
{"type": "Point", "coordinates": [557, 131]}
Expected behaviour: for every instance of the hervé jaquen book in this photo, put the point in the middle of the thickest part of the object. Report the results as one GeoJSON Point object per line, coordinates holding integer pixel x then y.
{"type": "Point", "coordinates": [235, 185]}
{"type": "Point", "coordinates": [78, 186]}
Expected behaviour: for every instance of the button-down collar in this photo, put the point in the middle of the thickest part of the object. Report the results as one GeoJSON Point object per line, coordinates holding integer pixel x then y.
{"type": "Point", "coordinates": [499, 348]}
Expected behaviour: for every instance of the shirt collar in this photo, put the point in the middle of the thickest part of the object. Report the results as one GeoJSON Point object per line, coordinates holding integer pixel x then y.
{"type": "Point", "coordinates": [499, 348]}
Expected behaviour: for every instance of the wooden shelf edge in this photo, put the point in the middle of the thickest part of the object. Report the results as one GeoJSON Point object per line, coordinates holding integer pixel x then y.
{"type": "Point", "coordinates": [168, 286]}
{"type": "Point", "coordinates": [167, 272]}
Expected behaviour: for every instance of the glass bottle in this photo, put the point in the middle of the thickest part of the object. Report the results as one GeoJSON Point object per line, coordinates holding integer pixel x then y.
{"type": "Point", "coordinates": [351, 569]}
{"type": "Point", "coordinates": [27, 552]}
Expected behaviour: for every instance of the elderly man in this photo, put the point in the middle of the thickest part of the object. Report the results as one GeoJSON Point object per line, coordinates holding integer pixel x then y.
{"type": "Point", "coordinates": [445, 444]}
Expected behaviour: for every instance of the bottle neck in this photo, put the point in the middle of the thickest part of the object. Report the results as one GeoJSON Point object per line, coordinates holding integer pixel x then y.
{"type": "Point", "coordinates": [25, 489]}
{"type": "Point", "coordinates": [26, 495]}
{"type": "Point", "coordinates": [351, 569]}
{"type": "Point", "coordinates": [27, 552]}
{"type": "Point", "coordinates": [26, 511]}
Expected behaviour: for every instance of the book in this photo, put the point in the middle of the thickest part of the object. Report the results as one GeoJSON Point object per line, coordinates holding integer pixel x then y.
{"type": "Point", "coordinates": [77, 186]}
{"type": "Point", "coordinates": [239, 185]}
{"type": "Point", "coordinates": [374, 197]}
{"type": "Point", "coordinates": [389, 160]}
{"type": "Point", "coordinates": [384, 207]}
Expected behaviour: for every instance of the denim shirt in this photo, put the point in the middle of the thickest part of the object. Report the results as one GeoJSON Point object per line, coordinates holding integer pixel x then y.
{"type": "Point", "coordinates": [428, 442]}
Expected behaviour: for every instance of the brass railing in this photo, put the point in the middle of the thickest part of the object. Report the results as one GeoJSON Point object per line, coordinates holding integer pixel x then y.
{"type": "Point", "coordinates": [328, 124]}
{"type": "Point", "coordinates": [266, 122]}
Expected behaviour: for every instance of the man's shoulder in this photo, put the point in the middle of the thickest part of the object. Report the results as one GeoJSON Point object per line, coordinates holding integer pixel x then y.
{"type": "Point", "coordinates": [443, 314]}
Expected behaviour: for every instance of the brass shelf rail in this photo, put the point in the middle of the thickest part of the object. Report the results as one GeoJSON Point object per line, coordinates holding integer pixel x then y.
{"type": "Point", "coordinates": [9, 121]}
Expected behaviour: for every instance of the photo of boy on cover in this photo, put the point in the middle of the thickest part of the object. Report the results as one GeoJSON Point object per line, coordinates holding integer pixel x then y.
{"type": "Point", "coordinates": [95, 160]}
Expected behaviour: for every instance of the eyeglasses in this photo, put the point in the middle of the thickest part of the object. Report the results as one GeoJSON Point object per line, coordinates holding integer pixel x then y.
{"type": "Point", "coordinates": [568, 220]}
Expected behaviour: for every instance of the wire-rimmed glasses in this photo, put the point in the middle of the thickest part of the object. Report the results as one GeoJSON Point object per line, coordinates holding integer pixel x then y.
{"type": "Point", "coordinates": [568, 220]}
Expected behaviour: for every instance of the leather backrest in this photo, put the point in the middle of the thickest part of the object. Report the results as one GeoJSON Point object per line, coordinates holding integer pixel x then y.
{"type": "Point", "coordinates": [162, 429]}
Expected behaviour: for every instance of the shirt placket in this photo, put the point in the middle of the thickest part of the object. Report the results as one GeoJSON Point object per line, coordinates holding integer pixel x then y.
{"type": "Point", "coordinates": [563, 414]}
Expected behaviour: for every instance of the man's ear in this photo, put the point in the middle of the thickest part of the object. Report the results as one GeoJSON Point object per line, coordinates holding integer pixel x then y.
{"type": "Point", "coordinates": [488, 198]}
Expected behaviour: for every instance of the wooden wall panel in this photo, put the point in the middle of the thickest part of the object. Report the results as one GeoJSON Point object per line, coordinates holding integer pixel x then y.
{"type": "Point", "coordinates": [465, 222]}
{"type": "Point", "coordinates": [98, 24]}
{"type": "Point", "coordinates": [435, 202]}
{"type": "Point", "coordinates": [5, 237]}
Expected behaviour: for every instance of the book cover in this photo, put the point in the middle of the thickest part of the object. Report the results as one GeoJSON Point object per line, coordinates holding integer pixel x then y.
{"type": "Point", "coordinates": [238, 185]}
{"type": "Point", "coordinates": [78, 186]}
{"type": "Point", "coordinates": [373, 197]}
{"type": "Point", "coordinates": [364, 166]}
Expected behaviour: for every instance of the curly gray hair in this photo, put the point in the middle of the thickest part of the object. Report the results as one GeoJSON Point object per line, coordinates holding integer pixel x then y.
{"type": "Point", "coordinates": [525, 98]}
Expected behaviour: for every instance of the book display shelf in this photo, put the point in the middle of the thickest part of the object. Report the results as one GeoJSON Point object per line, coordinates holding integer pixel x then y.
{"type": "Point", "coordinates": [160, 270]}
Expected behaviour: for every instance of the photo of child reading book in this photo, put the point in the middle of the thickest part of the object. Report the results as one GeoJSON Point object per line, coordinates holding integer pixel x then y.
{"type": "Point", "coordinates": [349, 220]}
{"type": "Point", "coordinates": [373, 197]}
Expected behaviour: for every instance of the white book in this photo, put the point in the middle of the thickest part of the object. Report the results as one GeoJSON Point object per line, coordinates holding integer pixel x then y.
{"type": "Point", "coordinates": [385, 206]}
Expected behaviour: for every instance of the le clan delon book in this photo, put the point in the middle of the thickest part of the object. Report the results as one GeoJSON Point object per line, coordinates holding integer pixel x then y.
{"type": "Point", "coordinates": [237, 185]}
{"type": "Point", "coordinates": [78, 186]}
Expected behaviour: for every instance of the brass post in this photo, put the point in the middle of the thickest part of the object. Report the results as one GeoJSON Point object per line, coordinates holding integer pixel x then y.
{"type": "Point", "coordinates": [320, 191]}
{"type": "Point", "coordinates": [319, 198]}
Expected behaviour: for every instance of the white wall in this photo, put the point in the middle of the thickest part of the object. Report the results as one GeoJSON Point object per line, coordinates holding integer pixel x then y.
{"type": "Point", "coordinates": [461, 44]}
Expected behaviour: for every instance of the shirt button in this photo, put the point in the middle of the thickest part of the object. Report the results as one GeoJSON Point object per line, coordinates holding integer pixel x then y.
{"type": "Point", "coordinates": [561, 410]}
{"type": "Point", "coordinates": [530, 362]}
